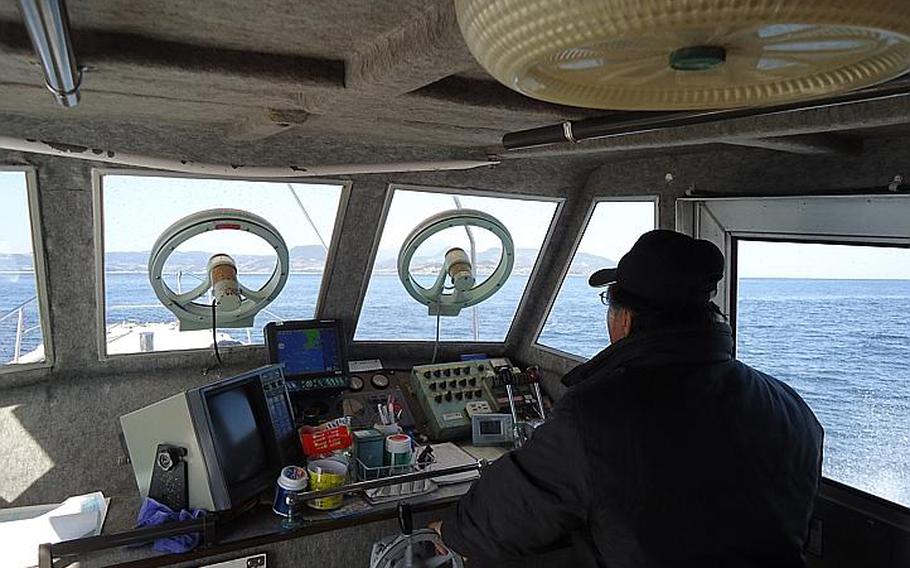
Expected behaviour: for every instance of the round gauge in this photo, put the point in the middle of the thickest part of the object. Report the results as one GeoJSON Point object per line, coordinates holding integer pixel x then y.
{"type": "Point", "coordinates": [379, 381]}
{"type": "Point", "coordinates": [356, 384]}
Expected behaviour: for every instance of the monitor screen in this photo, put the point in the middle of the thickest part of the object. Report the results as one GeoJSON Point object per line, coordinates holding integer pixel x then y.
{"type": "Point", "coordinates": [237, 436]}
{"type": "Point", "coordinates": [488, 427]}
{"type": "Point", "coordinates": [309, 352]}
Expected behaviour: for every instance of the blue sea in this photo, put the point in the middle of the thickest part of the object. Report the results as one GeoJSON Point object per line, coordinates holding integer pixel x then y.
{"type": "Point", "coordinates": [844, 345]}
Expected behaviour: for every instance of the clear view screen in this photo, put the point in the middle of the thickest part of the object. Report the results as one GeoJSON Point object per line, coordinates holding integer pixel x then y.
{"type": "Point", "coordinates": [833, 321]}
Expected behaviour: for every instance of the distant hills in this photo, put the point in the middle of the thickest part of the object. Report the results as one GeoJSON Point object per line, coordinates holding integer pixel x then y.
{"type": "Point", "coordinates": [304, 259]}
{"type": "Point", "coordinates": [310, 259]}
{"type": "Point", "coordinates": [487, 260]}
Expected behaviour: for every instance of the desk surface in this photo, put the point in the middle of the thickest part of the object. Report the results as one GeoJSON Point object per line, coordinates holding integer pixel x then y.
{"type": "Point", "coordinates": [261, 526]}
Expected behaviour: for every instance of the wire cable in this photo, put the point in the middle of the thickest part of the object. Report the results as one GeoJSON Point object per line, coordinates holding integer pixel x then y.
{"type": "Point", "coordinates": [436, 343]}
{"type": "Point", "coordinates": [215, 334]}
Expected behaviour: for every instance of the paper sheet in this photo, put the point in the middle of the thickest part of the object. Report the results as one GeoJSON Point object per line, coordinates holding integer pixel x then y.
{"type": "Point", "coordinates": [74, 518]}
{"type": "Point", "coordinates": [450, 455]}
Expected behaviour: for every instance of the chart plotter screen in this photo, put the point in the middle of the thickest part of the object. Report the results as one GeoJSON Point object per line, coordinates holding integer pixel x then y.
{"type": "Point", "coordinates": [309, 352]}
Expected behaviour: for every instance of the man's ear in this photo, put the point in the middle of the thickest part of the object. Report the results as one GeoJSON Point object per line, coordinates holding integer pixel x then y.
{"type": "Point", "coordinates": [625, 321]}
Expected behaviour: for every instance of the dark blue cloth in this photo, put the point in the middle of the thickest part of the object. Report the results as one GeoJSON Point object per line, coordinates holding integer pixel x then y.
{"type": "Point", "coordinates": [154, 513]}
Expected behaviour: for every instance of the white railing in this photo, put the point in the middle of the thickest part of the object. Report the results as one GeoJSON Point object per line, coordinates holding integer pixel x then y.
{"type": "Point", "coordinates": [21, 330]}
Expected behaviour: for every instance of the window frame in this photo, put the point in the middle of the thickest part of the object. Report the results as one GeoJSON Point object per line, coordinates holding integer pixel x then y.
{"type": "Point", "coordinates": [867, 220]}
{"type": "Point", "coordinates": [39, 260]}
{"type": "Point", "coordinates": [564, 272]}
{"type": "Point", "coordinates": [98, 175]}
{"type": "Point", "coordinates": [458, 191]}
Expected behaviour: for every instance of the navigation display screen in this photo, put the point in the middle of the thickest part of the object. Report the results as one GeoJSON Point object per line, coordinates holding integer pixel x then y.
{"type": "Point", "coordinates": [309, 352]}
{"type": "Point", "coordinates": [493, 427]}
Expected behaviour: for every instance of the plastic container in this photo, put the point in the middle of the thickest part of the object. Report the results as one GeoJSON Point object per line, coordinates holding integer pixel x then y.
{"type": "Point", "coordinates": [293, 479]}
{"type": "Point", "coordinates": [398, 453]}
{"type": "Point", "coordinates": [326, 474]}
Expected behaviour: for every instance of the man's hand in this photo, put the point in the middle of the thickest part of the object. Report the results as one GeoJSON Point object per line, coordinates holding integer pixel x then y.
{"type": "Point", "coordinates": [436, 526]}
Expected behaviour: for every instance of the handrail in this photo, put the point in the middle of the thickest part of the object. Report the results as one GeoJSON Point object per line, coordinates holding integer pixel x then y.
{"type": "Point", "coordinates": [18, 307]}
{"type": "Point", "coordinates": [21, 330]}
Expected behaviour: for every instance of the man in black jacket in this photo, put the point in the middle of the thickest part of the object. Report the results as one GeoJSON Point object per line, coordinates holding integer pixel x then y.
{"type": "Point", "coordinates": [665, 451]}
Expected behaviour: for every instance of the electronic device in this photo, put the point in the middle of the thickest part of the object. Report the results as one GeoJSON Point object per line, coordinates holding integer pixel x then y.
{"type": "Point", "coordinates": [359, 401]}
{"type": "Point", "coordinates": [168, 484]}
{"type": "Point", "coordinates": [313, 353]}
{"type": "Point", "coordinates": [444, 390]}
{"type": "Point", "coordinates": [491, 429]}
{"type": "Point", "coordinates": [236, 433]}
{"type": "Point", "coordinates": [478, 407]}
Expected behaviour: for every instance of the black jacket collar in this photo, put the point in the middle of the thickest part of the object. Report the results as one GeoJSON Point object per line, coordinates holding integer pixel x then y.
{"type": "Point", "coordinates": [701, 345]}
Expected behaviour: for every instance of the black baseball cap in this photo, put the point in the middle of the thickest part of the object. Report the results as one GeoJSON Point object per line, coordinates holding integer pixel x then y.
{"type": "Point", "coordinates": [666, 268]}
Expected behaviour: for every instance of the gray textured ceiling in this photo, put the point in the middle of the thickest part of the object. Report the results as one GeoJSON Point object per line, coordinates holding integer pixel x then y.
{"type": "Point", "coordinates": [345, 78]}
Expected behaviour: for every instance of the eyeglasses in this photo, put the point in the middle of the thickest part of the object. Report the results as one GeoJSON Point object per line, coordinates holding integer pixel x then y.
{"type": "Point", "coordinates": [605, 298]}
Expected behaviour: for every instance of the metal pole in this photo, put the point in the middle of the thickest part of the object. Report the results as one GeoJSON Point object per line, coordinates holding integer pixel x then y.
{"type": "Point", "coordinates": [18, 349]}
{"type": "Point", "coordinates": [475, 319]}
{"type": "Point", "coordinates": [308, 218]}
{"type": "Point", "coordinates": [393, 480]}
{"type": "Point", "coordinates": [626, 124]}
{"type": "Point", "coordinates": [48, 27]}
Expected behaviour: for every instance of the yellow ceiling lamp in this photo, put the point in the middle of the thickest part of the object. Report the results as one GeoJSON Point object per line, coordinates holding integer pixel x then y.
{"type": "Point", "coordinates": [686, 54]}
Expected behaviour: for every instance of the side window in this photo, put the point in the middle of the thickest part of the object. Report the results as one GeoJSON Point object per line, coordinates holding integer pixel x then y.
{"type": "Point", "coordinates": [136, 209]}
{"type": "Point", "coordinates": [575, 323]}
{"type": "Point", "coordinates": [390, 314]}
{"type": "Point", "coordinates": [833, 322]}
{"type": "Point", "coordinates": [22, 327]}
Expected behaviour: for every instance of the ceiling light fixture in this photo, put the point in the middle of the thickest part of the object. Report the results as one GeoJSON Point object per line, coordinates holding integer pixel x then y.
{"type": "Point", "coordinates": [671, 55]}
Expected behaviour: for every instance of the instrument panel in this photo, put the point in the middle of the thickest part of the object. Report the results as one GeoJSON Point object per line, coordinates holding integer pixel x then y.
{"type": "Point", "coordinates": [444, 391]}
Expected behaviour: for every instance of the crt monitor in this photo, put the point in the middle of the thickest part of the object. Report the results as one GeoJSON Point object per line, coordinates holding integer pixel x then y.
{"type": "Point", "coordinates": [238, 433]}
{"type": "Point", "coordinates": [308, 349]}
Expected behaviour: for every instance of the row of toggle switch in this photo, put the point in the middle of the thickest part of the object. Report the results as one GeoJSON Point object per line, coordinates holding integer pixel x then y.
{"type": "Point", "coordinates": [460, 395]}
{"type": "Point", "coordinates": [453, 384]}
{"type": "Point", "coordinates": [457, 371]}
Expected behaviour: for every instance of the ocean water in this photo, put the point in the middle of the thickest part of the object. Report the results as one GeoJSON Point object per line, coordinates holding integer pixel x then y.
{"type": "Point", "coordinates": [844, 345]}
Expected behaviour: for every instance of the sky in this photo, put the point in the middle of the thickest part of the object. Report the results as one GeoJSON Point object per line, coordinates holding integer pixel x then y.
{"type": "Point", "coordinates": [137, 209]}
{"type": "Point", "coordinates": [15, 230]}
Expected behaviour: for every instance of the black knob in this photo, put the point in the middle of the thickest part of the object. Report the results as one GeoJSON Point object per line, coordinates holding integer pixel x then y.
{"type": "Point", "coordinates": [472, 381]}
{"type": "Point", "coordinates": [459, 395]}
{"type": "Point", "coordinates": [432, 386]}
{"type": "Point", "coordinates": [452, 383]}
{"type": "Point", "coordinates": [469, 394]}
{"type": "Point", "coordinates": [457, 370]}
{"type": "Point", "coordinates": [462, 383]}
{"type": "Point", "coordinates": [467, 370]}
{"type": "Point", "coordinates": [438, 398]}
{"type": "Point", "coordinates": [449, 396]}
{"type": "Point", "coordinates": [480, 368]}
{"type": "Point", "coordinates": [426, 374]}
{"type": "Point", "coordinates": [478, 393]}
{"type": "Point", "coordinates": [436, 373]}
{"type": "Point", "coordinates": [448, 372]}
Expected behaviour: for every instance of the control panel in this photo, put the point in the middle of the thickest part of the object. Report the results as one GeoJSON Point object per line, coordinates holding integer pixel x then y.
{"type": "Point", "coordinates": [333, 383]}
{"type": "Point", "coordinates": [363, 393]}
{"type": "Point", "coordinates": [278, 404]}
{"type": "Point", "coordinates": [445, 390]}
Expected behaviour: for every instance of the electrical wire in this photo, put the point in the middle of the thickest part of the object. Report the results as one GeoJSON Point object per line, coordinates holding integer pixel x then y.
{"type": "Point", "coordinates": [215, 334]}
{"type": "Point", "coordinates": [436, 343]}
